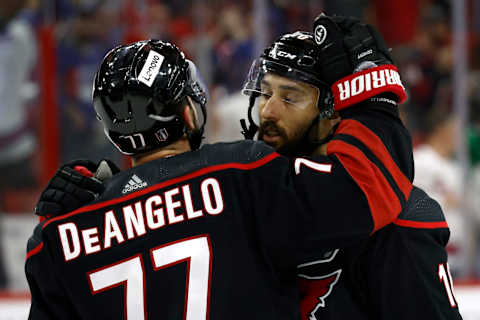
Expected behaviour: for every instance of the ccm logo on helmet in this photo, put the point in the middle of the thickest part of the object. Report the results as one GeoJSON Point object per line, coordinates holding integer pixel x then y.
{"type": "Point", "coordinates": [282, 54]}
{"type": "Point", "coordinates": [367, 82]}
{"type": "Point", "coordinates": [151, 68]}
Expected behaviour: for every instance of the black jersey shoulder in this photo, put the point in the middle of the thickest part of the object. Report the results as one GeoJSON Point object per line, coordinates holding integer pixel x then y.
{"type": "Point", "coordinates": [244, 151]}
{"type": "Point", "coordinates": [421, 208]}
{"type": "Point", "coordinates": [36, 239]}
{"type": "Point", "coordinates": [208, 156]}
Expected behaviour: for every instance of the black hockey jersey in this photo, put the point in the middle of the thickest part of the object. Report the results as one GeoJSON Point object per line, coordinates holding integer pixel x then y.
{"type": "Point", "coordinates": [401, 272]}
{"type": "Point", "coordinates": [215, 233]}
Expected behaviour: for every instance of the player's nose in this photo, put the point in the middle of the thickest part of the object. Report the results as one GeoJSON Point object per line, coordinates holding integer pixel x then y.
{"type": "Point", "coordinates": [271, 109]}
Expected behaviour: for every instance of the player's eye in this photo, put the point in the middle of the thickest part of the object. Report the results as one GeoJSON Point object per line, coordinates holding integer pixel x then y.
{"type": "Point", "coordinates": [292, 99]}
{"type": "Point", "coordinates": [265, 95]}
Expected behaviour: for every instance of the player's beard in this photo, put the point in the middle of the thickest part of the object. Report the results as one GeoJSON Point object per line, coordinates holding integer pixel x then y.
{"type": "Point", "coordinates": [289, 147]}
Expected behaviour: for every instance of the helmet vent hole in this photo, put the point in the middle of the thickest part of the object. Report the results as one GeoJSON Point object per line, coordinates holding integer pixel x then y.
{"type": "Point", "coordinates": [306, 61]}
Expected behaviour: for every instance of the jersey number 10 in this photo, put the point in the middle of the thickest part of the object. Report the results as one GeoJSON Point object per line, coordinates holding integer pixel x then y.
{"type": "Point", "coordinates": [446, 279]}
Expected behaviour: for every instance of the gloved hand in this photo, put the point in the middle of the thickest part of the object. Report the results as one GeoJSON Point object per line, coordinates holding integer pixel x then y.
{"type": "Point", "coordinates": [356, 61]}
{"type": "Point", "coordinates": [74, 185]}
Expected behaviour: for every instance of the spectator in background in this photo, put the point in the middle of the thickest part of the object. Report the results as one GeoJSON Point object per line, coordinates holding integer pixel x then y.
{"type": "Point", "coordinates": [17, 143]}
{"type": "Point", "coordinates": [438, 174]}
{"type": "Point", "coordinates": [434, 52]}
{"type": "Point", "coordinates": [233, 52]}
{"type": "Point", "coordinates": [85, 39]}
{"type": "Point", "coordinates": [159, 21]}
{"type": "Point", "coordinates": [17, 60]}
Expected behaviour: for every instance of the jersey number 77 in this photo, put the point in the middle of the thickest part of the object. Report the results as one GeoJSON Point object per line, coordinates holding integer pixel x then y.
{"type": "Point", "coordinates": [130, 273]}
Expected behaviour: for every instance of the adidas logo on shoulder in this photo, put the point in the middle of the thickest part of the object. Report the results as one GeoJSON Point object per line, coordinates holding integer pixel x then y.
{"type": "Point", "coordinates": [133, 184]}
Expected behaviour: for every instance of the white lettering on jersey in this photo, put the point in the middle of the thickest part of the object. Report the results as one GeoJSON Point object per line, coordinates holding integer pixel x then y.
{"type": "Point", "coordinates": [157, 211]}
{"type": "Point", "coordinates": [187, 196]}
{"type": "Point", "coordinates": [320, 167]}
{"type": "Point", "coordinates": [213, 185]}
{"type": "Point", "coordinates": [90, 240]}
{"type": "Point", "coordinates": [68, 233]}
{"type": "Point", "coordinates": [134, 222]}
{"type": "Point", "coordinates": [112, 230]}
{"type": "Point", "coordinates": [172, 206]}
{"type": "Point", "coordinates": [155, 218]}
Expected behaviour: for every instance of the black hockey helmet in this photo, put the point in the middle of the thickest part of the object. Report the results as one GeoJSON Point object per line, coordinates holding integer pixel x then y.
{"type": "Point", "coordinates": [137, 91]}
{"type": "Point", "coordinates": [294, 56]}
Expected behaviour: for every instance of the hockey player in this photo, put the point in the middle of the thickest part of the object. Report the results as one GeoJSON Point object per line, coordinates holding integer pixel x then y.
{"type": "Point", "coordinates": [200, 233]}
{"type": "Point", "coordinates": [401, 272]}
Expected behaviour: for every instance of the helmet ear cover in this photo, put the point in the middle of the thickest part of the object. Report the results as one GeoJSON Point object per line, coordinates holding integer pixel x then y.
{"type": "Point", "coordinates": [139, 93]}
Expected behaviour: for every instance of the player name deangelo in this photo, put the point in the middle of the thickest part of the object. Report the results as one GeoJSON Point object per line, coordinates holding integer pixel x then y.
{"type": "Point", "coordinates": [155, 212]}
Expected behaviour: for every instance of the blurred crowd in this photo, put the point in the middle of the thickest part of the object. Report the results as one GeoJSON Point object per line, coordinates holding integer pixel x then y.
{"type": "Point", "coordinates": [223, 37]}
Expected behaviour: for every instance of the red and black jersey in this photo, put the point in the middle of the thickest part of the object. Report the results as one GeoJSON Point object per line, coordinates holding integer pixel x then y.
{"type": "Point", "coordinates": [401, 272]}
{"type": "Point", "coordinates": [215, 233]}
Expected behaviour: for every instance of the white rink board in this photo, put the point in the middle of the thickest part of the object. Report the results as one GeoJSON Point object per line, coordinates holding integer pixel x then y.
{"type": "Point", "coordinates": [468, 298]}
{"type": "Point", "coordinates": [469, 301]}
{"type": "Point", "coordinates": [11, 309]}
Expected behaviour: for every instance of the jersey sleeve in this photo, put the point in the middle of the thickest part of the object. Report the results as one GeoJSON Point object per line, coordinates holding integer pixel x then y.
{"type": "Point", "coordinates": [377, 154]}
{"type": "Point", "coordinates": [407, 268]}
{"type": "Point", "coordinates": [361, 186]}
{"type": "Point", "coordinates": [308, 204]}
{"type": "Point", "coordinates": [336, 210]}
{"type": "Point", "coordinates": [49, 299]}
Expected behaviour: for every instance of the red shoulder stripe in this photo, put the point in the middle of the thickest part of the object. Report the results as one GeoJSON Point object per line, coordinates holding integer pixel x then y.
{"type": "Point", "coordinates": [421, 224]}
{"type": "Point", "coordinates": [376, 145]}
{"type": "Point", "coordinates": [382, 200]}
{"type": "Point", "coordinates": [34, 251]}
{"type": "Point", "coordinates": [203, 171]}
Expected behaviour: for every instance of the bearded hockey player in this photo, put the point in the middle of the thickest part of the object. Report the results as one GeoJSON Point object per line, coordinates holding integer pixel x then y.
{"type": "Point", "coordinates": [339, 85]}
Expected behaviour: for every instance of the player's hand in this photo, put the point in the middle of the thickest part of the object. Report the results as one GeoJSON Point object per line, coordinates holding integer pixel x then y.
{"type": "Point", "coordinates": [346, 44]}
{"type": "Point", "coordinates": [350, 47]}
{"type": "Point", "coordinates": [74, 185]}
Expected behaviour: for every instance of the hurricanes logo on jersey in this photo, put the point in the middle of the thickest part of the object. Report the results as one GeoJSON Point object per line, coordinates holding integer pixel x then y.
{"type": "Point", "coordinates": [314, 291]}
{"type": "Point", "coordinates": [317, 281]}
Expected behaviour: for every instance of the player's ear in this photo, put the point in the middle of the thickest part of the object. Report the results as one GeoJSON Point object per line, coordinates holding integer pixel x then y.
{"type": "Point", "coordinates": [334, 119]}
{"type": "Point", "coordinates": [189, 116]}
{"type": "Point", "coordinates": [335, 115]}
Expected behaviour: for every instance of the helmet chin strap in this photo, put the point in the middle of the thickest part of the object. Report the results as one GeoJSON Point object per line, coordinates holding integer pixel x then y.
{"type": "Point", "coordinates": [195, 136]}
{"type": "Point", "coordinates": [251, 128]}
{"type": "Point", "coordinates": [306, 146]}
{"type": "Point", "coordinates": [316, 143]}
